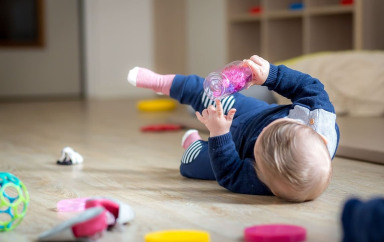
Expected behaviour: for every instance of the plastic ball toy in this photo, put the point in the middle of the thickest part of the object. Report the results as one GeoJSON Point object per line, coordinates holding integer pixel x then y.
{"type": "Point", "coordinates": [14, 199]}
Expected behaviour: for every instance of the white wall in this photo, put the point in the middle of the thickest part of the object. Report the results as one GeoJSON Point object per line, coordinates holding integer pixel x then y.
{"type": "Point", "coordinates": [206, 36]}
{"type": "Point", "coordinates": [118, 37]}
{"type": "Point", "coordinates": [52, 70]}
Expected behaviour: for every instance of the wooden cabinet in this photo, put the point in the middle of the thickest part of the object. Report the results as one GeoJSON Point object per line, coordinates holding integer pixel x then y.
{"type": "Point", "coordinates": [281, 29]}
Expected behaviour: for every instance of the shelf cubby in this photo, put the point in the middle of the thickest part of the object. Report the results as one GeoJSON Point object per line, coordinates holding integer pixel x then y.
{"type": "Point", "coordinates": [241, 45]}
{"type": "Point", "coordinates": [242, 7]}
{"type": "Point", "coordinates": [330, 32]}
{"type": "Point", "coordinates": [281, 5]}
{"type": "Point", "coordinates": [324, 3]}
{"type": "Point", "coordinates": [278, 32]}
{"type": "Point", "coordinates": [284, 38]}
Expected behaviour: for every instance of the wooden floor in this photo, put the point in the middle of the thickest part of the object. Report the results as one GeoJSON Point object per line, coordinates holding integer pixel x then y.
{"type": "Point", "coordinates": [141, 169]}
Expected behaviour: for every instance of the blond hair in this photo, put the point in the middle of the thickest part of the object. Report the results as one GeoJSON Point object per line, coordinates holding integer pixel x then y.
{"type": "Point", "coordinates": [293, 161]}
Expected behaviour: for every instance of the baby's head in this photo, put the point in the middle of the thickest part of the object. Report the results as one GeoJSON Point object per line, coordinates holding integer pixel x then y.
{"type": "Point", "coordinates": [292, 160]}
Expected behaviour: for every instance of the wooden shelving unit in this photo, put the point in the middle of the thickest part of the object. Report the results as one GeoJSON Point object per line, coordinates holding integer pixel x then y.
{"type": "Point", "coordinates": [279, 32]}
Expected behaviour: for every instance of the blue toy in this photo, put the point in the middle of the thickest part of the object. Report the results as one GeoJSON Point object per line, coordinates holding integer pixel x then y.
{"type": "Point", "coordinates": [296, 6]}
{"type": "Point", "coordinates": [14, 199]}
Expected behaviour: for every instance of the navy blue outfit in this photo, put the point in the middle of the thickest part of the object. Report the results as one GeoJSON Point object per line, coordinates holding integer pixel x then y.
{"type": "Point", "coordinates": [229, 158]}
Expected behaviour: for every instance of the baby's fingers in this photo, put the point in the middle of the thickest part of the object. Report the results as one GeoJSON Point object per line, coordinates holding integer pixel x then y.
{"type": "Point", "coordinates": [257, 59]}
{"type": "Point", "coordinates": [256, 69]}
{"type": "Point", "coordinates": [211, 110]}
{"type": "Point", "coordinates": [219, 108]}
{"type": "Point", "coordinates": [200, 118]}
{"type": "Point", "coordinates": [231, 114]}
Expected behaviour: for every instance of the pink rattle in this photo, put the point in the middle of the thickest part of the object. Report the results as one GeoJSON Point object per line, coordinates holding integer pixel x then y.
{"type": "Point", "coordinates": [234, 77]}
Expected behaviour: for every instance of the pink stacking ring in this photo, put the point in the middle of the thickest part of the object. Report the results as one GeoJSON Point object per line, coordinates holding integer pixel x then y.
{"type": "Point", "coordinates": [275, 233]}
{"type": "Point", "coordinates": [72, 204]}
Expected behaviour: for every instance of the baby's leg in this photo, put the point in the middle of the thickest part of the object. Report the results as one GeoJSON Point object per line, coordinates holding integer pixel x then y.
{"type": "Point", "coordinates": [195, 162]}
{"type": "Point", "coordinates": [185, 89]}
{"type": "Point", "coordinates": [141, 77]}
{"type": "Point", "coordinates": [189, 90]}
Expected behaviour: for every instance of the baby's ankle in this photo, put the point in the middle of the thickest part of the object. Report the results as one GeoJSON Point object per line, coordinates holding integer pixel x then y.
{"type": "Point", "coordinates": [190, 137]}
{"type": "Point", "coordinates": [144, 78]}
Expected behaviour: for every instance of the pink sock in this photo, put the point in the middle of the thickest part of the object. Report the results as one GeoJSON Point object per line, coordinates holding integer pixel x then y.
{"type": "Point", "coordinates": [145, 78]}
{"type": "Point", "coordinates": [189, 137]}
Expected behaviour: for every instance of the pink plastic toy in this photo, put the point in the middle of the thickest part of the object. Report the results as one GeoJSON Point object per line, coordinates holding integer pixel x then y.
{"type": "Point", "coordinates": [121, 212]}
{"type": "Point", "coordinates": [275, 233]}
{"type": "Point", "coordinates": [72, 204]}
{"type": "Point", "coordinates": [96, 214]}
{"type": "Point", "coordinates": [234, 77]}
{"type": "Point", "coordinates": [89, 224]}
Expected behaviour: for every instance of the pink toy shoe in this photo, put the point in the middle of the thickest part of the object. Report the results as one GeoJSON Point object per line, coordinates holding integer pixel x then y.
{"type": "Point", "coordinates": [121, 213]}
{"type": "Point", "coordinates": [88, 225]}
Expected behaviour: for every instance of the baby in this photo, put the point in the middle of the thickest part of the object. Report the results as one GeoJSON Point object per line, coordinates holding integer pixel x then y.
{"type": "Point", "coordinates": [255, 147]}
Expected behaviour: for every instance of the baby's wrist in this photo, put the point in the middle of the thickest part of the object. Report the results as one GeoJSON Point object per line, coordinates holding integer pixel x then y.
{"type": "Point", "coordinates": [219, 141]}
{"type": "Point", "coordinates": [215, 133]}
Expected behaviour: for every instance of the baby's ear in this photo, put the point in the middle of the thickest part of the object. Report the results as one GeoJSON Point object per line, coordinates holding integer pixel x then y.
{"type": "Point", "coordinates": [324, 139]}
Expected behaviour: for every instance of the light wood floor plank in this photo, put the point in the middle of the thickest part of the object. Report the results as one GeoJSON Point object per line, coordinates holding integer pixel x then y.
{"type": "Point", "coordinates": [141, 169]}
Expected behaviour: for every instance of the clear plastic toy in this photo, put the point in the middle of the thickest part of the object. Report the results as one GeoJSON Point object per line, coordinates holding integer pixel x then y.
{"type": "Point", "coordinates": [232, 78]}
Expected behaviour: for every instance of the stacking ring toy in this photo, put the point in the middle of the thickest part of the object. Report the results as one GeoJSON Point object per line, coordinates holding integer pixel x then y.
{"type": "Point", "coordinates": [178, 236]}
{"type": "Point", "coordinates": [153, 105]}
{"type": "Point", "coordinates": [275, 233]}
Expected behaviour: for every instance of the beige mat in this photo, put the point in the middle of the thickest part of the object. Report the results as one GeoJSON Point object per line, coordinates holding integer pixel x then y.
{"type": "Point", "coordinates": [362, 138]}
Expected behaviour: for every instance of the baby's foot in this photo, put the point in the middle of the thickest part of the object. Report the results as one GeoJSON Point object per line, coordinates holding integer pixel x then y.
{"type": "Point", "coordinates": [141, 77]}
{"type": "Point", "coordinates": [189, 137]}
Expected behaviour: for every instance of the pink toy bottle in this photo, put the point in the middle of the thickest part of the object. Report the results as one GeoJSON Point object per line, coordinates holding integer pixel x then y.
{"type": "Point", "coordinates": [232, 78]}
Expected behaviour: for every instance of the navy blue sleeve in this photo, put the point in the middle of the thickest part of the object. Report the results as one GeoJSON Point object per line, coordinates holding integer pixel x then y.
{"type": "Point", "coordinates": [300, 88]}
{"type": "Point", "coordinates": [230, 171]}
{"type": "Point", "coordinates": [310, 102]}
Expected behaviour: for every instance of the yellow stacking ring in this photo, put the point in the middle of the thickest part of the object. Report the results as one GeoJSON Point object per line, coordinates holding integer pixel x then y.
{"type": "Point", "coordinates": [178, 236]}
{"type": "Point", "coordinates": [153, 105]}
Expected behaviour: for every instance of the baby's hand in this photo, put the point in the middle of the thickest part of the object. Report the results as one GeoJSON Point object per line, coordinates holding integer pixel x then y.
{"type": "Point", "coordinates": [215, 120]}
{"type": "Point", "coordinates": [260, 69]}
